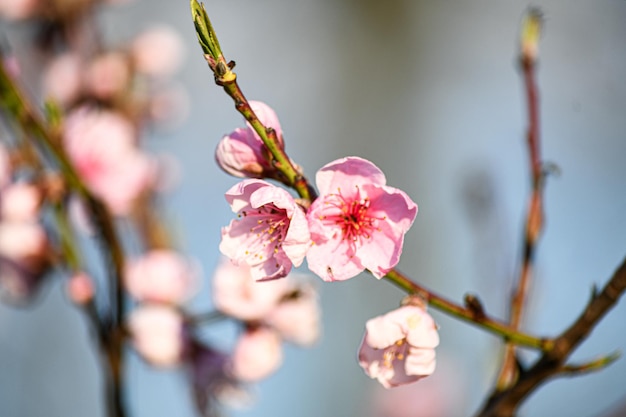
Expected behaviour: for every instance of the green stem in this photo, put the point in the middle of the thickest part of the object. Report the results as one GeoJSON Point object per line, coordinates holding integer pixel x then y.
{"type": "Point", "coordinates": [468, 315]}
{"type": "Point", "coordinates": [226, 78]}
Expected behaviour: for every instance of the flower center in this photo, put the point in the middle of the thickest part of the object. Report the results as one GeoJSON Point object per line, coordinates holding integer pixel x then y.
{"type": "Point", "coordinates": [352, 215]}
{"type": "Point", "coordinates": [393, 352]}
{"type": "Point", "coordinates": [267, 226]}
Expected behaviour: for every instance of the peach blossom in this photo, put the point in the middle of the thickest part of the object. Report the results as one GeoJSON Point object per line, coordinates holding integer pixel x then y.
{"type": "Point", "coordinates": [258, 354]}
{"type": "Point", "coordinates": [236, 293]}
{"type": "Point", "coordinates": [157, 334]}
{"type": "Point", "coordinates": [162, 276]}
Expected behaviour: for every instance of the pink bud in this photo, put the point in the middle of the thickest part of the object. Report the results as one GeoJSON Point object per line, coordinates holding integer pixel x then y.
{"type": "Point", "coordinates": [80, 288]}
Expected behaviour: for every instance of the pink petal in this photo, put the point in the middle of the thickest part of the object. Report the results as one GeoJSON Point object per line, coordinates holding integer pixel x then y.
{"type": "Point", "coordinates": [331, 262]}
{"type": "Point", "coordinates": [420, 362]}
{"type": "Point", "coordinates": [383, 331]}
{"type": "Point", "coordinates": [346, 173]}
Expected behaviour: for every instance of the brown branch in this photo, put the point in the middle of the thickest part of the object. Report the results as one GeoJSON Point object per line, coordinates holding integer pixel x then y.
{"type": "Point", "coordinates": [535, 215]}
{"type": "Point", "coordinates": [550, 364]}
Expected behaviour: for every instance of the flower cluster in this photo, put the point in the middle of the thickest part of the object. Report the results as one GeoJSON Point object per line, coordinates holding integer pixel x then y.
{"type": "Point", "coordinates": [161, 280]}
{"type": "Point", "coordinates": [270, 311]}
{"type": "Point", "coordinates": [357, 222]}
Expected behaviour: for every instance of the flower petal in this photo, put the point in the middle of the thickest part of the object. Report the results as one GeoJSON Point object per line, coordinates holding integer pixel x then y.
{"type": "Point", "coordinates": [347, 173]}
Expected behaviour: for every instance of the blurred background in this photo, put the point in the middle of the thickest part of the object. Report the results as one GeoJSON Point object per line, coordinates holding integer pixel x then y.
{"type": "Point", "coordinates": [431, 93]}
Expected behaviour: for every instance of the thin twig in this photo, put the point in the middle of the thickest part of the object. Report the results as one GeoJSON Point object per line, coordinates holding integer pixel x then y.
{"type": "Point", "coordinates": [535, 215]}
{"type": "Point", "coordinates": [469, 314]}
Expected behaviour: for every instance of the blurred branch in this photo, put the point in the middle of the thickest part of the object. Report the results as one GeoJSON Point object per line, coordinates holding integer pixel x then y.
{"type": "Point", "coordinates": [504, 403]}
{"type": "Point", "coordinates": [14, 101]}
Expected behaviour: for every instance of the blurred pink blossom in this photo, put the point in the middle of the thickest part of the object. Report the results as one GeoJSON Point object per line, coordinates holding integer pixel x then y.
{"type": "Point", "coordinates": [242, 152]}
{"type": "Point", "coordinates": [108, 75]}
{"type": "Point", "coordinates": [161, 276]}
{"type": "Point", "coordinates": [357, 222]}
{"type": "Point", "coordinates": [62, 80]}
{"type": "Point", "coordinates": [270, 233]}
{"type": "Point", "coordinates": [22, 242]}
{"type": "Point", "coordinates": [157, 334]}
{"type": "Point", "coordinates": [237, 294]}
{"type": "Point", "coordinates": [101, 144]}
{"type": "Point", "coordinates": [399, 347]}
{"type": "Point", "coordinates": [297, 319]}
{"type": "Point", "coordinates": [5, 166]}
{"type": "Point", "coordinates": [257, 354]}
{"type": "Point", "coordinates": [18, 9]}
{"type": "Point", "coordinates": [20, 201]}
{"type": "Point", "coordinates": [158, 51]}
{"type": "Point", "coordinates": [80, 288]}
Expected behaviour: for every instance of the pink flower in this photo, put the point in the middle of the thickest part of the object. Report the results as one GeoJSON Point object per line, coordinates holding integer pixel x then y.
{"type": "Point", "coordinates": [63, 78]}
{"type": "Point", "coordinates": [23, 242]}
{"type": "Point", "coordinates": [258, 354]}
{"type": "Point", "coordinates": [357, 222]}
{"type": "Point", "coordinates": [271, 232]}
{"type": "Point", "coordinates": [5, 166]}
{"type": "Point", "coordinates": [398, 348]}
{"type": "Point", "coordinates": [101, 146]}
{"type": "Point", "coordinates": [108, 75]}
{"type": "Point", "coordinates": [297, 318]}
{"type": "Point", "coordinates": [237, 294]}
{"type": "Point", "coordinates": [18, 9]}
{"type": "Point", "coordinates": [159, 51]}
{"type": "Point", "coordinates": [242, 152]}
{"type": "Point", "coordinates": [20, 202]}
{"type": "Point", "coordinates": [161, 276]}
{"type": "Point", "coordinates": [157, 334]}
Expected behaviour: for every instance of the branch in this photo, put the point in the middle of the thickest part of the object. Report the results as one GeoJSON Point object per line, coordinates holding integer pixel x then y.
{"type": "Point", "coordinates": [531, 30]}
{"type": "Point", "coordinates": [14, 101]}
{"type": "Point", "coordinates": [473, 313]}
{"type": "Point", "coordinates": [227, 79]}
{"type": "Point", "coordinates": [551, 363]}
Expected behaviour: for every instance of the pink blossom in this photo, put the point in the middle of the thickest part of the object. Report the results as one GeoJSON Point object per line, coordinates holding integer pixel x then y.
{"type": "Point", "coordinates": [108, 75]}
{"type": "Point", "coordinates": [297, 318]}
{"type": "Point", "coordinates": [18, 9]}
{"type": "Point", "coordinates": [158, 51]}
{"type": "Point", "coordinates": [80, 288]}
{"type": "Point", "coordinates": [237, 294]}
{"type": "Point", "coordinates": [242, 152]}
{"type": "Point", "coordinates": [5, 166]}
{"type": "Point", "coordinates": [20, 202]}
{"type": "Point", "coordinates": [157, 334]}
{"type": "Point", "coordinates": [358, 222]}
{"type": "Point", "coordinates": [399, 347]}
{"type": "Point", "coordinates": [63, 77]}
{"type": "Point", "coordinates": [101, 146]}
{"type": "Point", "coordinates": [270, 233]}
{"type": "Point", "coordinates": [22, 242]}
{"type": "Point", "coordinates": [161, 276]}
{"type": "Point", "coordinates": [258, 354]}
